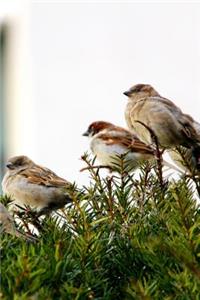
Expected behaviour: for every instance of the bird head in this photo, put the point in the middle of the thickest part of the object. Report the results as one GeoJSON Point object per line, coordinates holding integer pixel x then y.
{"type": "Point", "coordinates": [18, 163]}
{"type": "Point", "coordinates": [96, 127]}
{"type": "Point", "coordinates": [141, 91]}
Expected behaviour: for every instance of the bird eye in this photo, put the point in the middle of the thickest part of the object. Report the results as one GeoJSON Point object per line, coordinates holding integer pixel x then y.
{"type": "Point", "coordinates": [19, 162]}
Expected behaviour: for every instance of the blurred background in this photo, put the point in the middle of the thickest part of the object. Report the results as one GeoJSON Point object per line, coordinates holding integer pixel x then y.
{"type": "Point", "coordinates": [65, 64]}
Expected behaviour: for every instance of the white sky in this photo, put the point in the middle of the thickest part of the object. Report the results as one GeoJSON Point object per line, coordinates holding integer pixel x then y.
{"type": "Point", "coordinates": [84, 56]}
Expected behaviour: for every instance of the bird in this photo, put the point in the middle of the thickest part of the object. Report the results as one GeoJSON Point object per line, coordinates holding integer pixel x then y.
{"type": "Point", "coordinates": [29, 184]}
{"type": "Point", "coordinates": [109, 141]}
{"type": "Point", "coordinates": [146, 108]}
{"type": "Point", "coordinates": [8, 225]}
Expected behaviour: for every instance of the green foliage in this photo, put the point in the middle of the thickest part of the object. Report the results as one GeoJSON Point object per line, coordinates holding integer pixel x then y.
{"type": "Point", "coordinates": [124, 237]}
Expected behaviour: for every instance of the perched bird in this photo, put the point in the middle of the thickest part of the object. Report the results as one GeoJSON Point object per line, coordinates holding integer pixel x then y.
{"type": "Point", "coordinates": [8, 225]}
{"type": "Point", "coordinates": [170, 125]}
{"type": "Point", "coordinates": [29, 184]}
{"type": "Point", "coordinates": [109, 142]}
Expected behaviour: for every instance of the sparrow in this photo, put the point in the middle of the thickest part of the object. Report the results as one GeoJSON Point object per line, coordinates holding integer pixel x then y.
{"type": "Point", "coordinates": [109, 142]}
{"type": "Point", "coordinates": [170, 125]}
{"type": "Point", "coordinates": [27, 183]}
{"type": "Point", "coordinates": [8, 225]}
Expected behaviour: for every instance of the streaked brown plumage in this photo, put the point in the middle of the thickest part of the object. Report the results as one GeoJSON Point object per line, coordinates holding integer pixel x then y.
{"type": "Point", "coordinates": [186, 160]}
{"type": "Point", "coordinates": [171, 126]}
{"type": "Point", "coordinates": [30, 184]}
{"type": "Point", "coordinates": [109, 142]}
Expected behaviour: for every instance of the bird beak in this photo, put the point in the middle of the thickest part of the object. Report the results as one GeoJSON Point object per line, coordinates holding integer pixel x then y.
{"type": "Point", "coordinates": [86, 133]}
{"type": "Point", "coordinates": [127, 93]}
{"type": "Point", "coordinates": [10, 166]}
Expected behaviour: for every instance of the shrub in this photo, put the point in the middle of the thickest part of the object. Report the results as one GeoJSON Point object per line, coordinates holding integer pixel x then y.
{"type": "Point", "coordinates": [124, 237]}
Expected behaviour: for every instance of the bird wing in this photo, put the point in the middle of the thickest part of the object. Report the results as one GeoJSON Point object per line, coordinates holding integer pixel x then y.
{"type": "Point", "coordinates": [127, 140]}
{"type": "Point", "coordinates": [166, 102]}
{"type": "Point", "coordinates": [139, 146]}
{"type": "Point", "coordinates": [43, 176]}
{"type": "Point", "coordinates": [188, 129]}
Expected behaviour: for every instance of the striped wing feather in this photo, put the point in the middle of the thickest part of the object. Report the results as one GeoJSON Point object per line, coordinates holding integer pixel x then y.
{"type": "Point", "coordinates": [43, 176]}
{"type": "Point", "coordinates": [126, 139]}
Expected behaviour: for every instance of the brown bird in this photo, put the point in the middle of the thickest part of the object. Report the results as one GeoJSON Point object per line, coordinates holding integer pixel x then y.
{"type": "Point", "coordinates": [109, 142]}
{"type": "Point", "coordinates": [38, 187]}
{"type": "Point", "coordinates": [170, 125]}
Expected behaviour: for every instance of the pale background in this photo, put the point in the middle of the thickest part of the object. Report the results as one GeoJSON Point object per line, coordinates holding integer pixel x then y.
{"type": "Point", "coordinates": [68, 64]}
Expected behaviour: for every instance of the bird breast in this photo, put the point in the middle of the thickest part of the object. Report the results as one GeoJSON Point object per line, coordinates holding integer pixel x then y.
{"type": "Point", "coordinates": [104, 152]}
{"type": "Point", "coordinates": [24, 193]}
{"type": "Point", "coordinates": [159, 118]}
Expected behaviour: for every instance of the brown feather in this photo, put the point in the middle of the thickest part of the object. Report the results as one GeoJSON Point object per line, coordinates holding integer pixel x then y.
{"type": "Point", "coordinates": [126, 140]}
{"type": "Point", "coordinates": [43, 176]}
